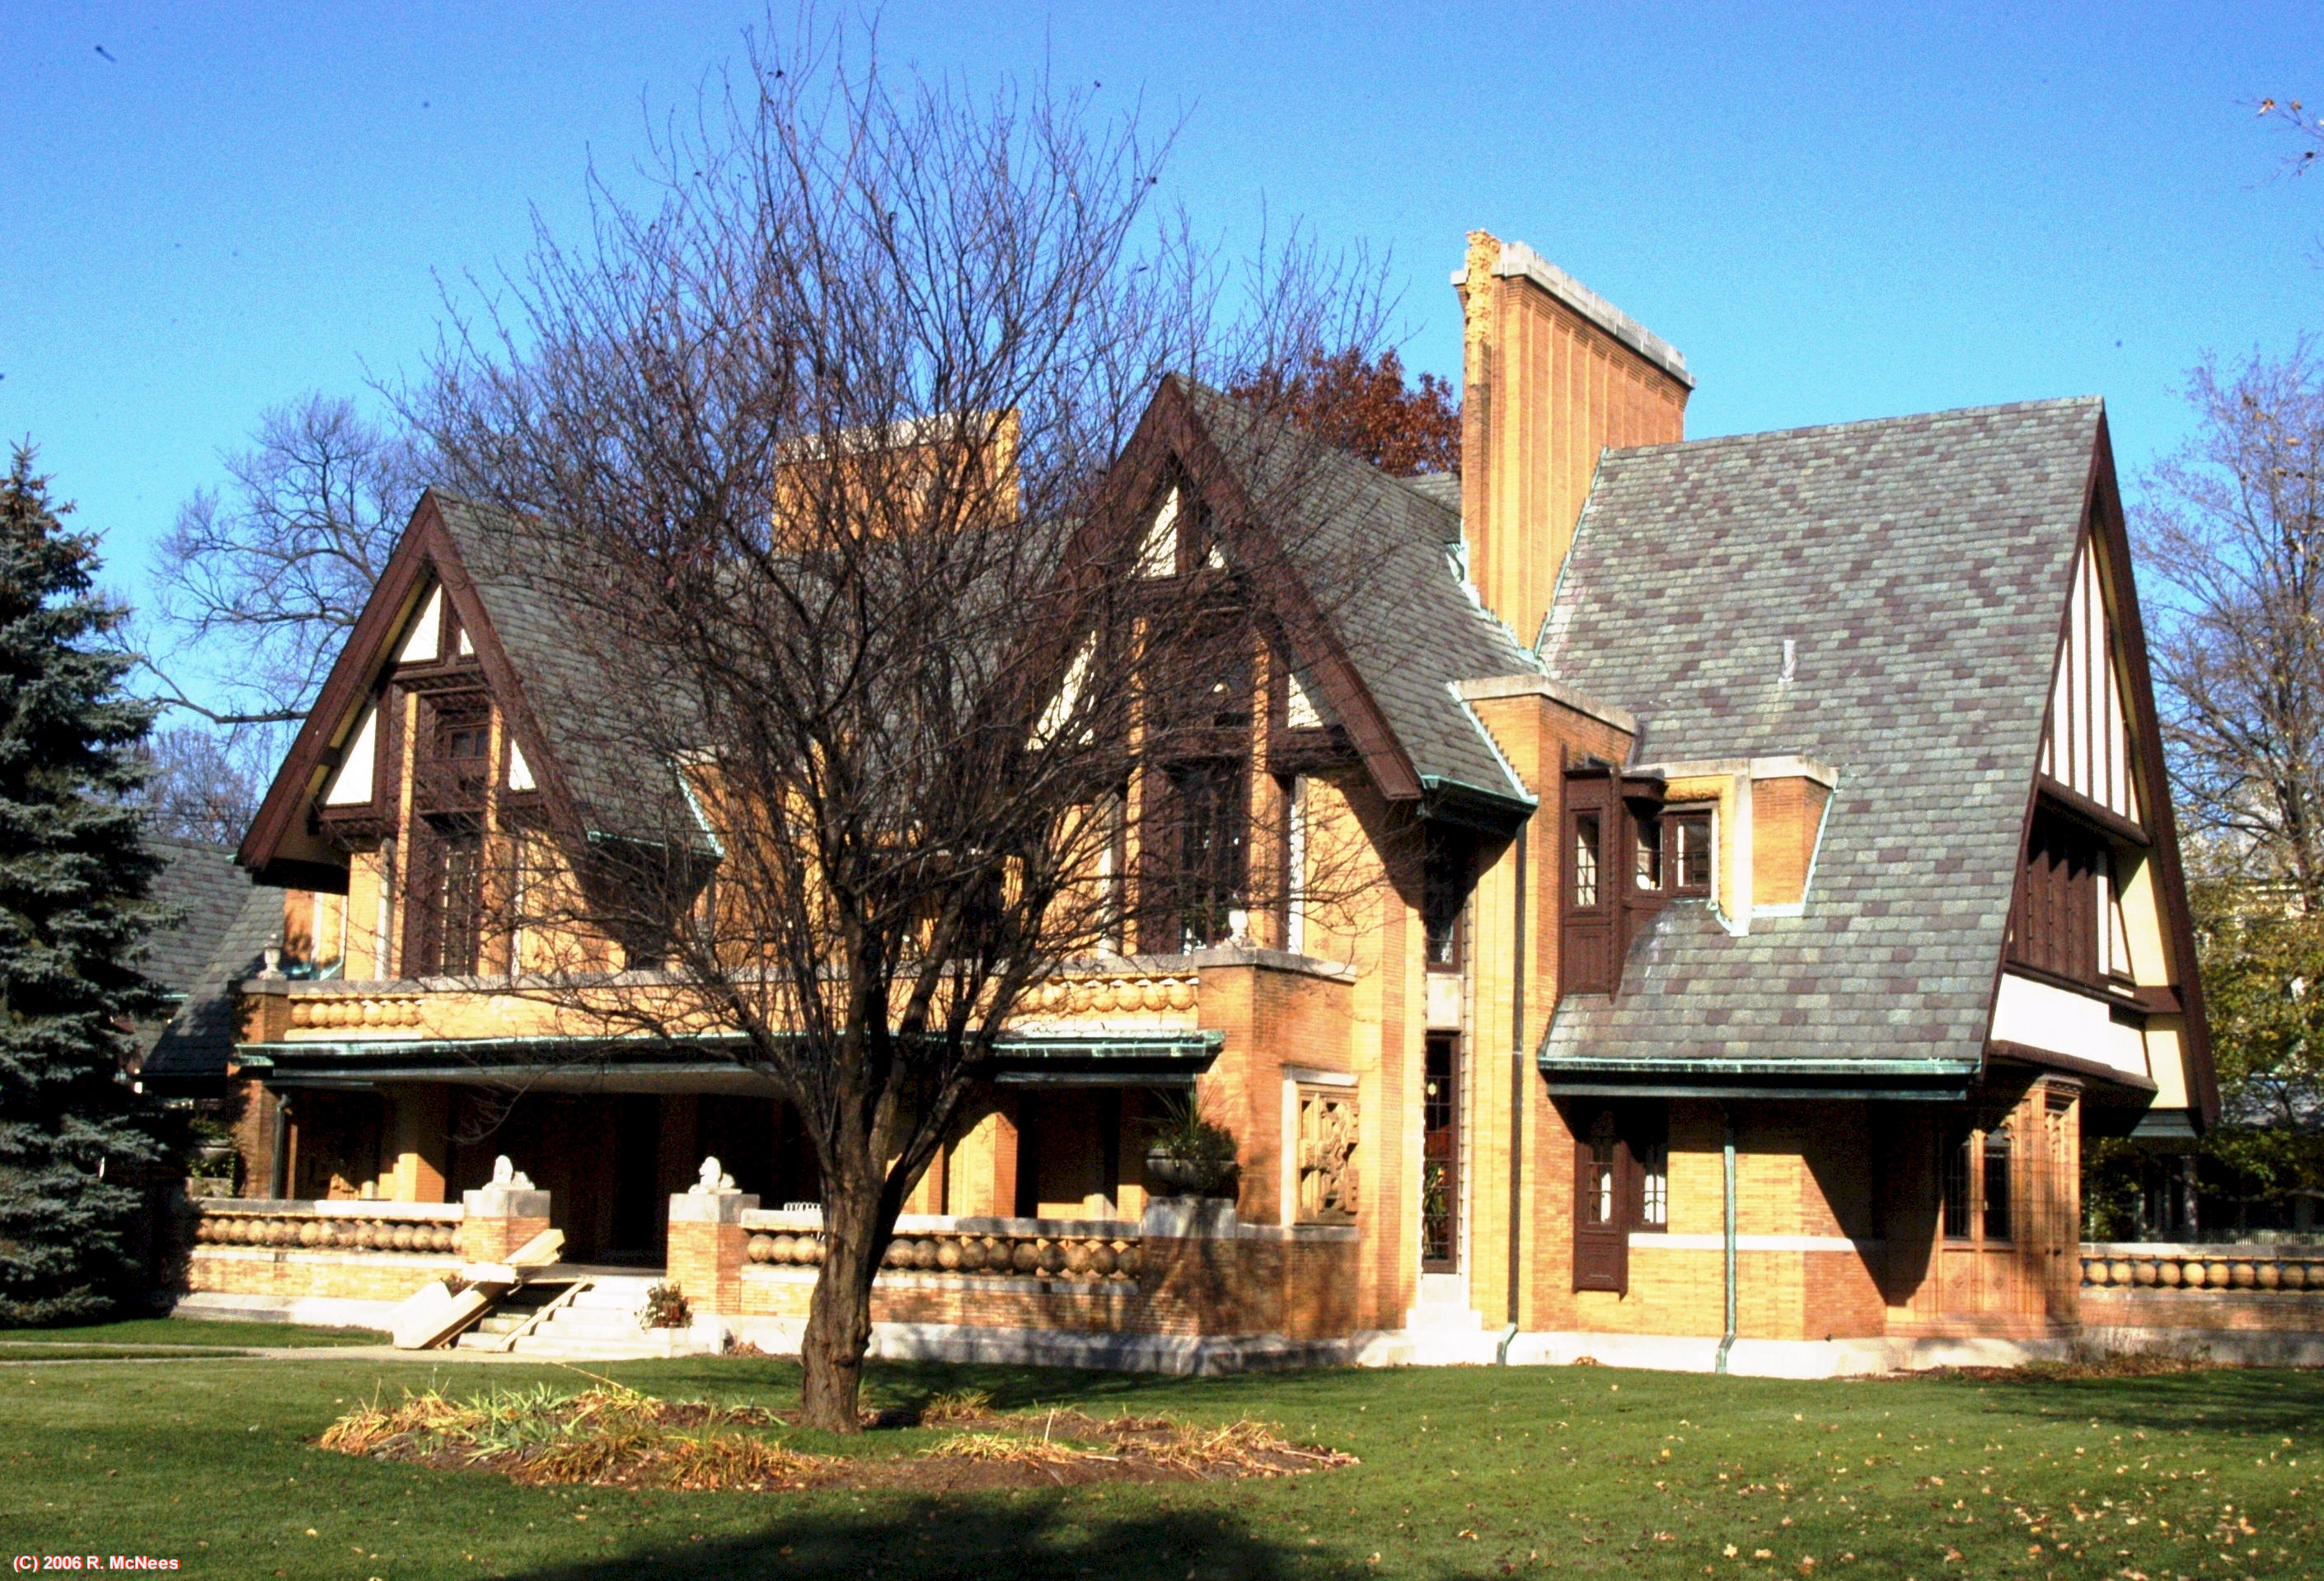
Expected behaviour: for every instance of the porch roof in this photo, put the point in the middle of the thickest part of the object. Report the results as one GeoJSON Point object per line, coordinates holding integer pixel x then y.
{"type": "Point", "coordinates": [1097, 1059]}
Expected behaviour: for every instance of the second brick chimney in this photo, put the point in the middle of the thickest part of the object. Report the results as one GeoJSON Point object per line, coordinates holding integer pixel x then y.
{"type": "Point", "coordinates": [1552, 375]}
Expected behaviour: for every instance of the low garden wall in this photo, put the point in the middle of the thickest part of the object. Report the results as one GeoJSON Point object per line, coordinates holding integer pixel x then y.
{"type": "Point", "coordinates": [2261, 1303]}
{"type": "Point", "coordinates": [1188, 1268]}
{"type": "Point", "coordinates": [2134, 1285]}
{"type": "Point", "coordinates": [351, 1251]}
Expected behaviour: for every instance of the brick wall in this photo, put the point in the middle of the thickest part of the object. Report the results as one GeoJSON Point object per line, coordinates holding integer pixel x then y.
{"type": "Point", "coordinates": [1299, 1288]}
{"type": "Point", "coordinates": [248, 1271]}
{"type": "Point", "coordinates": [2218, 1311]}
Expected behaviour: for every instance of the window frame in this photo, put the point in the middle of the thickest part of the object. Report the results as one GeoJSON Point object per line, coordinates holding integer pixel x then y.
{"type": "Point", "coordinates": [1676, 817]}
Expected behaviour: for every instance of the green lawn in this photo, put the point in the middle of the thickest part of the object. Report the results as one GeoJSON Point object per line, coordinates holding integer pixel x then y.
{"type": "Point", "coordinates": [178, 1331]}
{"type": "Point", "coordinates": [1579, 1471]}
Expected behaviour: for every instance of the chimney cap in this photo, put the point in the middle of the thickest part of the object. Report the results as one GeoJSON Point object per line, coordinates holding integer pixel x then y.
{"type": "Point", "coordinates": [1518, 259]}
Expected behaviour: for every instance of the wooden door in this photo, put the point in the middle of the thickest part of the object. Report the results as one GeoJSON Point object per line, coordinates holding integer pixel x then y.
{"type": "Point", "coordinates": [1603, 1204]}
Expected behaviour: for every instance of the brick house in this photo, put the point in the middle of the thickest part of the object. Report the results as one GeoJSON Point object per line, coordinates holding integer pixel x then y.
{"type": "Point", "coordinates": [1773, 883]}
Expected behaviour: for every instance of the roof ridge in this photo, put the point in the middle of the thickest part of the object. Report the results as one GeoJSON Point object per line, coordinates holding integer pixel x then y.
{"type": "Point", "coordinates": [2046, 404]}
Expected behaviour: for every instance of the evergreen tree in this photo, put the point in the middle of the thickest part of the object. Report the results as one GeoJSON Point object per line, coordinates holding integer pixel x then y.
{"type": "Point", "coordinates": [78, 1147]}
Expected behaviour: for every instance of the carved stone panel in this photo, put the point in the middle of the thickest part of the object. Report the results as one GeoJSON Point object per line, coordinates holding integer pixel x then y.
{"type": "Point", "coordinates": [1328, 1133]}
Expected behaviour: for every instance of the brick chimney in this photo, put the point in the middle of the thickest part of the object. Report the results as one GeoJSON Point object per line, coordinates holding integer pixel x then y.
{"type": "Point", "coordinates": [1552, 374]}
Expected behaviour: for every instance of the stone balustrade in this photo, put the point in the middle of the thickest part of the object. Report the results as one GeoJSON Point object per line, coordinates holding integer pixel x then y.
{"type": "Point", "coordinates": [353, 1008]}
{"type": "Point", "coordinates": [1113, 993]}
{"type": "Point", "coordinates": [335, 1225]}
{"type": "Point", "coordinates": [2252, 1268]}
{"type": "Point", "coordinates": [1027, 1249]}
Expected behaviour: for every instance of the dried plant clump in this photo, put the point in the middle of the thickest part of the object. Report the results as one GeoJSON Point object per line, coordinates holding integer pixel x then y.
{"type": "Point", "coordinates": [607, 1435]}
{"type": "Point", "coordinates": [961, 1406]}
{"type": "Point", "coordinates": [613, 1436]}
{"type": "Point", "coordinates": [1006, 1448]}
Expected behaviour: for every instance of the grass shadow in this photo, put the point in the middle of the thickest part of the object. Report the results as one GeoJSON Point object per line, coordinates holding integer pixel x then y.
{"type": "Point", "coordinates": [2248, 1402]}
{"type": "Point", "coordinates": [1032, 1539]}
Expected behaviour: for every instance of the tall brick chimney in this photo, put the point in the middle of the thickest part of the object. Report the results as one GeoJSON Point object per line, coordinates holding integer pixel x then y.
{"type": "Point", "coordinates": [1552, 374]}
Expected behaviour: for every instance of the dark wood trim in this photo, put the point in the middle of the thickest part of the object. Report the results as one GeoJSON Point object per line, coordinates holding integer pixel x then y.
{"type": "Point", "coordinates": [425, 549]}
{"type": "Point", "coordinates": [1171, 428]}
{"type": "Point", "coordinates": [2161, 999]}
{"type": "Point", "coordinates": [2105, 514]}
{"type": "Point", "coordinates": [2065, 798]}
{"type": "Point", "coordinates": [2059, 981]}
{"type": "Point", "coordinates": [2066, 1064]}
{"type": "Point", "coordinates": [466, 673]}
{"type": "Point", "coordinates": [1309, 749]}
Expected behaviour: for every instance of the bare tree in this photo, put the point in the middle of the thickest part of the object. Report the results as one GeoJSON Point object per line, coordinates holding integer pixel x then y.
{"type": "Point", "coordinates": [202, 788]}
{"type": "Point", "coordinates": [2232, 527]}
{"type": "Point", "coordinates": [888, 677]}
{"type": "Point", "coordinates": [259, 583]}
{"type": "Point", "coordinates": [2305, 123]}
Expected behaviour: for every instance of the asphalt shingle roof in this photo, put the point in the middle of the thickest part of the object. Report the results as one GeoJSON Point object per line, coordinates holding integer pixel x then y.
{"type": "Point", "coordinates": [228, 925]}
{"type": "Point", "coordinates": [1920, 566]}
{"type": "Point", "coordinates": [1377, 549]}
{"type": "Point", "coordinates": [581, 684]}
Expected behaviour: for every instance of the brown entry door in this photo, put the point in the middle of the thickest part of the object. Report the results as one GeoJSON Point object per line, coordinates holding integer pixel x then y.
{"type": "Point", "coordinates": [1440, 1156]}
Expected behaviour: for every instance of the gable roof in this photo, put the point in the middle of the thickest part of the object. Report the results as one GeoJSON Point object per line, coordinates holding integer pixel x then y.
{"type": "Point", "coordinates": [1375, 553]}
{"type": "Point", "coordinates": [1920, 567]}
{"type": "Point", "coordinates": [200, 884]}
{"type": "Point", "coordinates": [226, 928]}
{"type": "Point", "coordinates": [568, 690]}
{"type": "Point", "coordinates": [560, 695]}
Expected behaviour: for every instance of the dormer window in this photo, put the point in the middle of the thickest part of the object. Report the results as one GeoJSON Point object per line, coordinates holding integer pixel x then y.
{"type": "Point", "coordinates": [1584, 896]}
{"type": "Point", "coordinates": [1671, 854]}
{"type": "Point", "coordinates": [467, 738]}
{"type": "Point", "coordinates": [1647, 863]}
{"type": "Point", "coordinates": [1686, 850]}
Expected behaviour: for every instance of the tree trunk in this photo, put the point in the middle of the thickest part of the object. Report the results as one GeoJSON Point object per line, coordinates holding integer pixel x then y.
{"type": "Point", "coordinates": [839, 1314]}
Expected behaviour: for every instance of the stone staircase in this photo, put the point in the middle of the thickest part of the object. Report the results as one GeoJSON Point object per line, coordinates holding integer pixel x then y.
{"type": "Point", "coordinates": [1441, 1328]}
{"type": "Point", "coordinates": [599, 1322]}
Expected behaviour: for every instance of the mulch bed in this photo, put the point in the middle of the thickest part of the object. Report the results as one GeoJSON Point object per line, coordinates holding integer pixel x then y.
{"type": "Point", "coordinates": [617, 1437]}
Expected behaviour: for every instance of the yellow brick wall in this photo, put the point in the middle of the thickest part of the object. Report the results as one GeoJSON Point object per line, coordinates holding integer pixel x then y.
{"type": "Point", "coordinates": [1786, 815]}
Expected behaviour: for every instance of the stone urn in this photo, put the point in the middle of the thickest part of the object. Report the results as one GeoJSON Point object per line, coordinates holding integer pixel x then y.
{"type": "Point", "coordinates": [1174, 1176]}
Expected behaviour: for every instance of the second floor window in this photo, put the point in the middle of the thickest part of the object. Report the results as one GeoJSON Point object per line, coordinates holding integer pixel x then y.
{"type": "Point", "coordinates": [1205, 841]}
{"type": "Point", "coordinates": [1585, 860]}
{"type": "Point", "coordinates": [1686, 841]}
{"type": "Point", "coordinates": [2053, 922]}
{"type": "Point", "coordinates": [448, 889]}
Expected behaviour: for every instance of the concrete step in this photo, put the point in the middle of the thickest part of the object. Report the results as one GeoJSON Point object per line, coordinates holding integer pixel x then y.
{"type": "Point", "coordinates": [1444, 1318]}
{"type": "Point", "coordinates": [594, 1323]}
{"type": "Point", "coordinates": [622, 1293]}
{"type": "Point", "coordinates": [638, 1345]}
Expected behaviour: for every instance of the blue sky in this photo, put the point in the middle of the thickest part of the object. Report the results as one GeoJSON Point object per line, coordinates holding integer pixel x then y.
{"type": "Point", "coordinates": [1840, 213]}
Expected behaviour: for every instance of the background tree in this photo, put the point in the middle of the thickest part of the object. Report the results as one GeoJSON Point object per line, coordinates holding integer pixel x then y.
{"type": "Point", "coordinates": [2231, 536]}
{"type": "Point", "coordinates": [198, 787]}
{"type": "Point", "coordinates": [2263, 990]}
{"type": "Point", "coordinates": [2231, 539]}
{"type": "Point", "coordinates": [258, 583]}
{"type": "Point", "coordinates": [819, 442]}
{"type": "Point", "coordinates": [76, 1142]}
{"type": "Point", "coordinates": [2305, 123]}
{"type": "Point", "coordinates": [1359, 403]}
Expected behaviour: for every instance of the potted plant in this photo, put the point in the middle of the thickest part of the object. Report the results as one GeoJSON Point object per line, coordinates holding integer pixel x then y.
{"type": "Point", "coordinates": [1190, 1154]}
